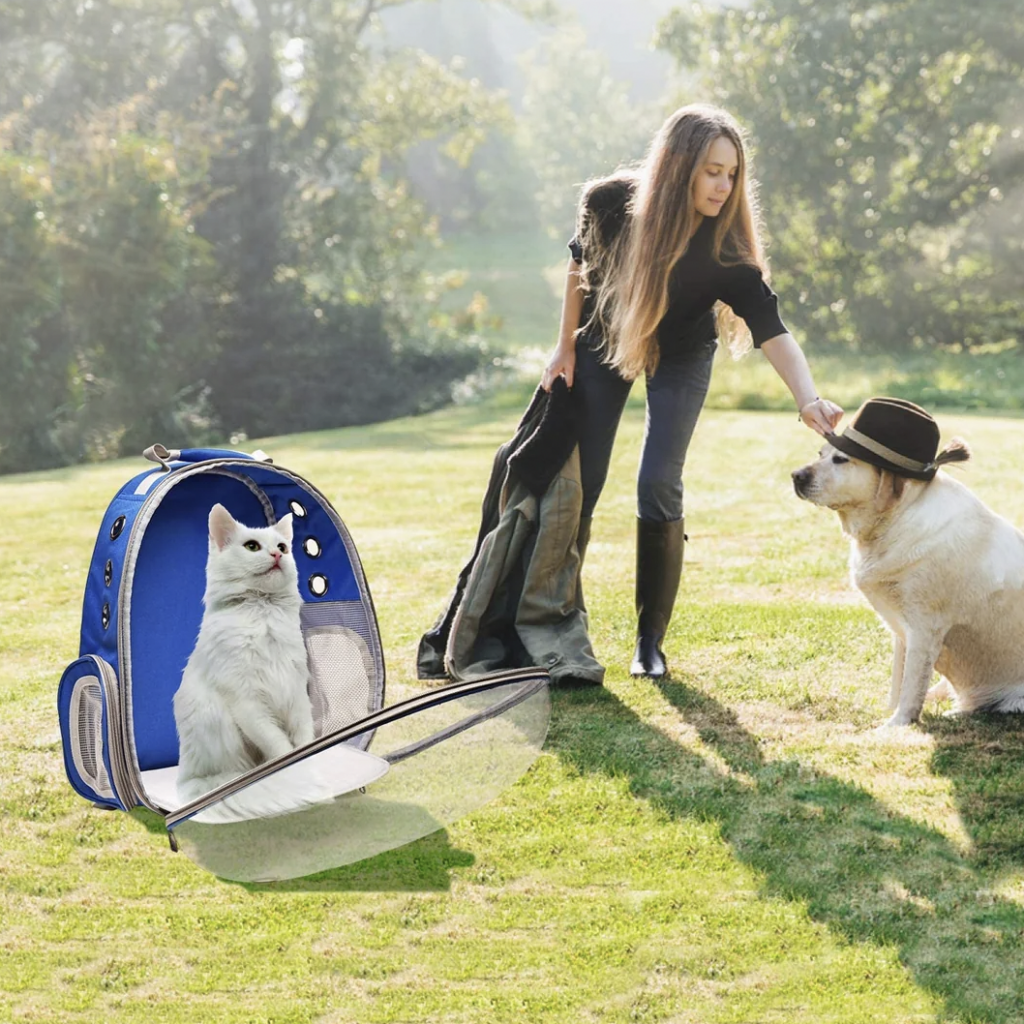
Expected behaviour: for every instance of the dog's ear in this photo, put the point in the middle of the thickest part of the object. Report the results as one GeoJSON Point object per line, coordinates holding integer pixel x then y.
{"type": "Point", "coordinates": [889, 490]}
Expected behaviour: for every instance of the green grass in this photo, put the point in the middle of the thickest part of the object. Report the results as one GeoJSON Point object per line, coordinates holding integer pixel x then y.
{"type": "Point", "coordinates": [518, 273]}
{"type": "Point", "coordinates": [734, 845]}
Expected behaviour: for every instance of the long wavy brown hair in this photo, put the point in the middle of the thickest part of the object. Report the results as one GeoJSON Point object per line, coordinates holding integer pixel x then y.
{"type": "Point", "coordinates": [629, 276]}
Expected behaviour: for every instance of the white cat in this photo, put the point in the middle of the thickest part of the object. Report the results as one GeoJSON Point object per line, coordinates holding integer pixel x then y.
{"type": "Point", "coordinates": [244, 695]}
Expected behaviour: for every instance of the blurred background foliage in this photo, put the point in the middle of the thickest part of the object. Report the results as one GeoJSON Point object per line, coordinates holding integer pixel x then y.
{"type": "Point", "coordinates": [222, 218]}
{"type": "Point", "coordinates": [889, 147]}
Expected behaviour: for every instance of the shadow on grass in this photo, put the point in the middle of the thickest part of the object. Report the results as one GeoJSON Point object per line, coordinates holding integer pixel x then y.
{"type": "Point", "coordinates": [863, 870]}
{"type": "Point", "coordinates": [424, 865]}
{"type": "Point", "coordinates": [983, 757]}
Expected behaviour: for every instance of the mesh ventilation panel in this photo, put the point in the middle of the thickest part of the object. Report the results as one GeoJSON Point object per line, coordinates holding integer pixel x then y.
{"type": "Point", "coordinates": [342, 677]}
{"type": "Point", "coordinates": [86, 719]}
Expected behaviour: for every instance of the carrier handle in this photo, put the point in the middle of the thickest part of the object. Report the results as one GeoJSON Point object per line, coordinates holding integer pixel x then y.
{"type": "Point", "coordinates": [165, 456]}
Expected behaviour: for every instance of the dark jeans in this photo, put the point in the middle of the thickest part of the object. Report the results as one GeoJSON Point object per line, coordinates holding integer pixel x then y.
{"type": "Point", "coordinates": [675, 397]}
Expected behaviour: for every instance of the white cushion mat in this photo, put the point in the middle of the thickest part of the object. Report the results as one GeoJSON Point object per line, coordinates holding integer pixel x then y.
{"type": "Point", "coordinates": [343, 767]}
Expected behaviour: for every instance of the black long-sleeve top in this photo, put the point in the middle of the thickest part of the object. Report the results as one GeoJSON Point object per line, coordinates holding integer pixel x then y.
{"type": "Point", "coordinates": [696, 283]}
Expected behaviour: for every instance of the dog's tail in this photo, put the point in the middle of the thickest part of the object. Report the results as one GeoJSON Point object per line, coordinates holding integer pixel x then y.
{"type": "Point", "coordinates": [956, 451]}
{"type": "Point", "coordinates": [295, 789]}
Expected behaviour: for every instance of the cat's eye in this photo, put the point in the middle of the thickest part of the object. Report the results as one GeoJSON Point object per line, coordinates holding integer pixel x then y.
{"type": "Point", "coordinates": [251, 545]}
{"type": "Point", "coordinates": [839, 459]}
{"type": "Point", "coordinates": [283, 548]}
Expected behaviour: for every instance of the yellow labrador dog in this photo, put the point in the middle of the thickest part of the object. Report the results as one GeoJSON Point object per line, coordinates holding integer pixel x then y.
{"type": "Point", "coordinates": [944, 572]}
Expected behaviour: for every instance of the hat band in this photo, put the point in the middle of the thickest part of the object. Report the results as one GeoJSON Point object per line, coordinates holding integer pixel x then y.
{"type": "Point", "coordinates": [886, 453]}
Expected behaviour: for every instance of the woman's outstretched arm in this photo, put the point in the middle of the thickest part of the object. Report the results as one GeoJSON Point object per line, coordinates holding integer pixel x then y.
{"type": "Point", "coordinates": [789, 362]}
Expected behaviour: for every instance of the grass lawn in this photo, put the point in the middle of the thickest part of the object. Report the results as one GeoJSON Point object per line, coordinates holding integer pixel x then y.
{"type": "Point", "coordinates": [518, 274]}
{"type": "Point", "coordinates": [733, 845]}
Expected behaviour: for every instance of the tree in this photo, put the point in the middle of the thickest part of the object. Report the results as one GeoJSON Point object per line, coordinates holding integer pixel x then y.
{"type": "Point", "coordinates": [887, 150]}
{"type": "Point", "coordinates": [32, 353]}
{"type": "Point", "coordinates": [107, 284]}
{"type": "Point", "coordinates": [303, 208]}
{"type": "Point", "coordinates": [578, 122]}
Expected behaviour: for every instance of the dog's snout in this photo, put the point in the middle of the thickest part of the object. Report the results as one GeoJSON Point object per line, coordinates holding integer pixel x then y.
{"type": "Point", "coordinates": [801, 480]}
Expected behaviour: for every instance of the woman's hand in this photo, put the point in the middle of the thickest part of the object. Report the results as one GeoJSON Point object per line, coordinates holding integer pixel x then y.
{"type": "Point", "coordinates": [561, 364]}
{"type": "Point", "coordinates": [821, 415]}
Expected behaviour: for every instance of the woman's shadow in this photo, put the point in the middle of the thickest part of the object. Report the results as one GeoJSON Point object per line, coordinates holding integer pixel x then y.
{"type": "Point", "coordinates": [865, 871]}
{"type": "Point", "coordinates": [983, 757]}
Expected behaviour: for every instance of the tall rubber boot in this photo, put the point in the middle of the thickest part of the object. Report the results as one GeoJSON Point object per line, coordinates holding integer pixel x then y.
{"type": "Point", "coordinates": [582, 540]}
{"type": "Point", "coordinates": [659, 564]}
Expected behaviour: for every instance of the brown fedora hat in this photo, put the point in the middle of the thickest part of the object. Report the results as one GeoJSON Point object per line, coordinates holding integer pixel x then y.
{"type": "Point", "coordinates": [894, 435]}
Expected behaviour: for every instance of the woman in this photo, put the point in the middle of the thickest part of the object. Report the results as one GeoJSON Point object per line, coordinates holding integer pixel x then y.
{"type": "Point", "coordinates": [656, 248]}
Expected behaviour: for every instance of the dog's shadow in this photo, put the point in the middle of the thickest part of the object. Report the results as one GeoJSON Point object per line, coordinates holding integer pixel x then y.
{"type": "Point", "coordinates": [867, 872]}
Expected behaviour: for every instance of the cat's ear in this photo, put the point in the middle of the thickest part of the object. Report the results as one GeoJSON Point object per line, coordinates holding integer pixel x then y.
{"type": "Point", "coordinates": [222, 526]}
{"type": "Point", "coordinates": [284, 527]}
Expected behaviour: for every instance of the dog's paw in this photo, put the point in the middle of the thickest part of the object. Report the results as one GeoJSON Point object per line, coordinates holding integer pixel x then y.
{"type": "Point", "coordinates": [899, 720]}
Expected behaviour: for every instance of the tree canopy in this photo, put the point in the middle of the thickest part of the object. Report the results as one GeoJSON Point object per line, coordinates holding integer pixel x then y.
{"type": "Point", "coordinates": [887, 141]}
{"type": "Point", "coordinates": [204, 197]}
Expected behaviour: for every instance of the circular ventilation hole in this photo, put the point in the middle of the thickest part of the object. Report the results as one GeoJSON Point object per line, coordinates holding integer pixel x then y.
{"type": "Point", "coordinates": [312, 547]}
{"type": "Point", "coordinates": [105, 616]}
{"type": "Point", "coordinates": [108, 572]}
{"type": "Point", "coordinates": [318, 585]}
{"type": "Point", "coordinates": [298, 509]}
{"type": "Point", "coordinates": [115, 530]}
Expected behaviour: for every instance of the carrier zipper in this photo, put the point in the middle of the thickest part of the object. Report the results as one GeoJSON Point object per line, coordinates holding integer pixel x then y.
{"type": "Point", "coordinates": [421, 702]}
{"type": "Point", "coordinates": [120, 777]}
{"type": "Point", "coordinates": [153, 497]}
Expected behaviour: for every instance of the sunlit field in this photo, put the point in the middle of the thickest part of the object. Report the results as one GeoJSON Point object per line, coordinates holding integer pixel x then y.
{"type": "Point", "coordinates": [221, 219]}
{"type": "Point", "coordinates": [735, 844]}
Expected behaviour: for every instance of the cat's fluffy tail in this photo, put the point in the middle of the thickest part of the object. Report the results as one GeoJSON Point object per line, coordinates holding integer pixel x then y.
{"type": "Point", "coordinates": [295, 788]}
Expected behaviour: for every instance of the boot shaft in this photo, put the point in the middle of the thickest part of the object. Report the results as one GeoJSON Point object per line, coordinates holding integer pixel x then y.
{"type": "Point", "coordinates": [659, 566]}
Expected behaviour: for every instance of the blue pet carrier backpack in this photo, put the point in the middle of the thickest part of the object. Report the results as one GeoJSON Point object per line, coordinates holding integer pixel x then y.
{"type": "Point", "coordinates": [395, 772]}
